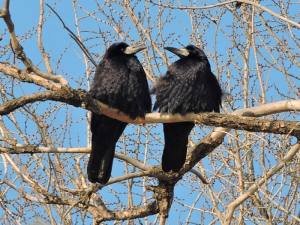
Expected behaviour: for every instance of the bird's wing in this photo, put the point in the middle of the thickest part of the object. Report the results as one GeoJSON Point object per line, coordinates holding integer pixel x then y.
{"type": "Point", "coordinates": [173, 90]}
{"type": "Point", "coordinates": [138, 90]}
{"type": "Point", "coordinates": [110, 82]}
{"type": "Point", "coordinates": [123, 86]}
{"type": "Point", "coordinates": [188, 89]}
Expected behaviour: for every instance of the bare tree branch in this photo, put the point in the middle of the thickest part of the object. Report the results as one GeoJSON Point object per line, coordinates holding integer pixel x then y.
{"type": "Point", "coordinates": [40, 43]}
{"type": "Point", "coordinates": [75, 38]}
{"type": "Point", "coordinates": [83, 99]}
{"type": "Point", "coordinates": [227, 2]}
{"type": "Point", "coordinates": [24, 76]}
{"type": "Point", "coordinates": [287, 158]}
{"type": "Point", "coordinates": [4, 13]}
{"type": "Point", "coordinates": [245, 178]}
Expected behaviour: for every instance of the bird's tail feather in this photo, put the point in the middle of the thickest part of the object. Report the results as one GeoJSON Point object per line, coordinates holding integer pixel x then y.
{"type": "Point", "coordinates": [176, 140]}
{"type": "Point", "coordinates": [94, 163]}
{"type": "Point", "coordinates": [106, 163]}
{"type": "Point", "coordinates": [100, 162]}
{"type": "Point", "coordinates": [105, 134]}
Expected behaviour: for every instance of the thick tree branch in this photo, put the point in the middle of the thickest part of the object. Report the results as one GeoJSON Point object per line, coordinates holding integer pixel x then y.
{"type": "Point", "coordinates": [200, 176]}
{"type": "Point", "coordinates": [139, 212]}
{"type": "Point", "coordinates": [81, 98]}
{"type": "Point", "coordinates": [25, 76]}
{"type": "Point", "coordinates": [126, 177]}
{"type": "Point", "coordinates": [206, 145]}
{"type": "Point", "coordinates": [101, 213]}
{"type": "Point", "coordinates": [48, 178]}
{"type": "Point", "coordinates": [132, 161]}
{"type": "Point", "coordinates": [202, 149]}
{"type": "Point", "coordinates": [4, 13]}
{"type": "Point", "coordinates": [31, 149]}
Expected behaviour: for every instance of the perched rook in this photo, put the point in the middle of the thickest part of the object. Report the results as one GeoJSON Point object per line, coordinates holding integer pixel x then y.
{"type": "Point", "coordinates": [120, 82]}
{"type": "Point", "coordinates": [189, 86]}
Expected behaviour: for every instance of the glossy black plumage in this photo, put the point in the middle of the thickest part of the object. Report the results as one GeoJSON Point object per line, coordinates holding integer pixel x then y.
{"type": "Point", "coordinates": [120, 82]}
{"type": "Point", "coordinates": [188, 86]}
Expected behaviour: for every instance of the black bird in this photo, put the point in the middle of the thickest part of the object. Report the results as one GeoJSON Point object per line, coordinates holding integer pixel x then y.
{"type": "Point", "coordinates": [189, 86]}
{"type": "Point", "coordinates": [120, 82]}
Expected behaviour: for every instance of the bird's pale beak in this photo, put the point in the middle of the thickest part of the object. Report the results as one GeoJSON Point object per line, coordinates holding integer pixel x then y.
{"type": "Point", "coordinates": [134, 49]}
{"type": "Point", "coordinates": [180, 52]}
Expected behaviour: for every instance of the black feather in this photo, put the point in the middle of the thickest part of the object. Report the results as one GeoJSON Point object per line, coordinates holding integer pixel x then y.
{"type": "Point", "coordinates": [188, 86]}
{"type": "Point", "coordinates": [120, 82]}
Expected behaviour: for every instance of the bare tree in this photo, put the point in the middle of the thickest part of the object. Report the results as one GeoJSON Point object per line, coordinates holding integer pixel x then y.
{"type": "Point", "coordinates": [244, 171]}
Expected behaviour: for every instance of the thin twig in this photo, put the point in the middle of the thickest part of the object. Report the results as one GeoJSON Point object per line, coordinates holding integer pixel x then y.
{"type": "Point", "coordinates": [231, 1]}
{"type": "Point", "coordinates": [74, 37]}
{"type": "Point", "coordinates": [232, 206]}
{"type": "Point", "coordinates": [18, 49]}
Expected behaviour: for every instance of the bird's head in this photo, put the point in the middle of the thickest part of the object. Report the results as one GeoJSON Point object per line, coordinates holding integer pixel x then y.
{"type": "Point", "coordinates": [123, 48]}
{"type": "Point", "coordinates": [189, 50]}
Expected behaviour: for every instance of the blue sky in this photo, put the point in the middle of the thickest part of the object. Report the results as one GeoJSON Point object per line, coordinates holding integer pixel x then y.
{"type": "Point", "coordinates": [56, 41]}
